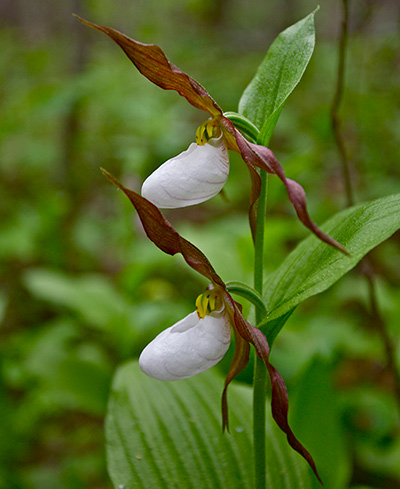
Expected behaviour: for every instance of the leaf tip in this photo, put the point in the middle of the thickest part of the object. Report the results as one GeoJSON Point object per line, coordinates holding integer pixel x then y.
{"type": "Point", "coordinates": [81, 20]}
{"type": "Point", "coordinates": [112, 179]}
{"type": "Point", "coordinates": [90, 24]}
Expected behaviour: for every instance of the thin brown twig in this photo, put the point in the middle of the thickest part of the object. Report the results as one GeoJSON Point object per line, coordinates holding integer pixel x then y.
{"type": "Point", "coordinates": [337, 99]}
{"type": "Point", "coordinates": [366, 265]}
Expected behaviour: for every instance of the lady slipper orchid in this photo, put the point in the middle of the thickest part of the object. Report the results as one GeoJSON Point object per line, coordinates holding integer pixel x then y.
{"type": "Point", "coordinates": [192, 177]}
{"type": "Point", "coordinates": [201, 179]}
{"type": "Point", "coordinates": [192, 345]}
{"type": "Point", "coordinates": [200, 340]}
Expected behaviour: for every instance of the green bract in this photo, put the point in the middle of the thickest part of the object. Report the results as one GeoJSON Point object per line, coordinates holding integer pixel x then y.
{"type": "Point", "coordinates": [277, 76]}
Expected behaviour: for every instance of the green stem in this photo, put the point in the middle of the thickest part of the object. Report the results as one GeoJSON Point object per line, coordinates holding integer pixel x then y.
{"type": "Point", "coordinates": [260, 372]}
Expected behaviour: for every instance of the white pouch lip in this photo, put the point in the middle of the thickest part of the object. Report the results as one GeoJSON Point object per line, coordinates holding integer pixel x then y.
{"type": "Point", "coordinates": [187, 348]}
{"type": "Point", "coordinates": [192, 177]}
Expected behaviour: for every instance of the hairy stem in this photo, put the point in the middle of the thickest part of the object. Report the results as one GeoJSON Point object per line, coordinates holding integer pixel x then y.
{"type": "Point", "coordinates": [260, 371]}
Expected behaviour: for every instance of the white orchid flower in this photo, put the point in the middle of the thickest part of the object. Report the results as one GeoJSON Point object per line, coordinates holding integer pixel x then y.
{"type": "Point", "coordinates": [191, 346]}
{"type": "Point", "coordinates": [192, 177]}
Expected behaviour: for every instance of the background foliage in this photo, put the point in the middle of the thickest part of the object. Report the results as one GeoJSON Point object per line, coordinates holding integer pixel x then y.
{"type": "Point", "coordinates": [81, 289]}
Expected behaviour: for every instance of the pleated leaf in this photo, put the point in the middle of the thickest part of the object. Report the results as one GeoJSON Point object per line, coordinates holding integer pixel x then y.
{"type": "Point", "coordinates": [168, 435]}
{"type": "Point", "coordinates": [312, 266]}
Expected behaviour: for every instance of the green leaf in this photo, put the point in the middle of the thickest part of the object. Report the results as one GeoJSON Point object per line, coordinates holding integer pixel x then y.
{"type": "Point", "coordinates": [168, 434]}
{"type": "Point", "coordinates": [313, 266]}
{"type": "Point", "coordinates": [272, 327]}
{"type": "Point", "coordinates": [278, 75]}
{"type": "Point", "coordinates": [269, 126]}
{"type": "Point", "coordinates": [83, 384]}
{"type": "Point", "coordinates": [316, 418]}
{"type": "Point", "coordinates": [92, 296]}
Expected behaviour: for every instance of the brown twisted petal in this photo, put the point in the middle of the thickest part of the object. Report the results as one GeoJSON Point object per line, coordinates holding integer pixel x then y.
{"type": "Point", "coordinates": [296, 193]}
{"type": "Point", "coordinates": [164, 236]}
{"type": "Point", "coordinates": [255, 155]}
{"type": "Point", "coordinates": [239, 362]}
{"type": "Point", "coordinates": [279, 395]}
{"type": "Point", "coordinates": [230, 134]}
{"type": "Point", "coordinates": [151, 61]}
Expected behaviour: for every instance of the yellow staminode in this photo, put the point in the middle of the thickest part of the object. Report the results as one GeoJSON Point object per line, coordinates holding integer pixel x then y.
{"type": "Point", "coordinates": [209, 129]}
{"type": "Point", "coordinates": [207, 303]}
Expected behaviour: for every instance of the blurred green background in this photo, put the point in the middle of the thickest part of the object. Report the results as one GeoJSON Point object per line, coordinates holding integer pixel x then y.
{"type": "Point", "coordinates": [82, 290]}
